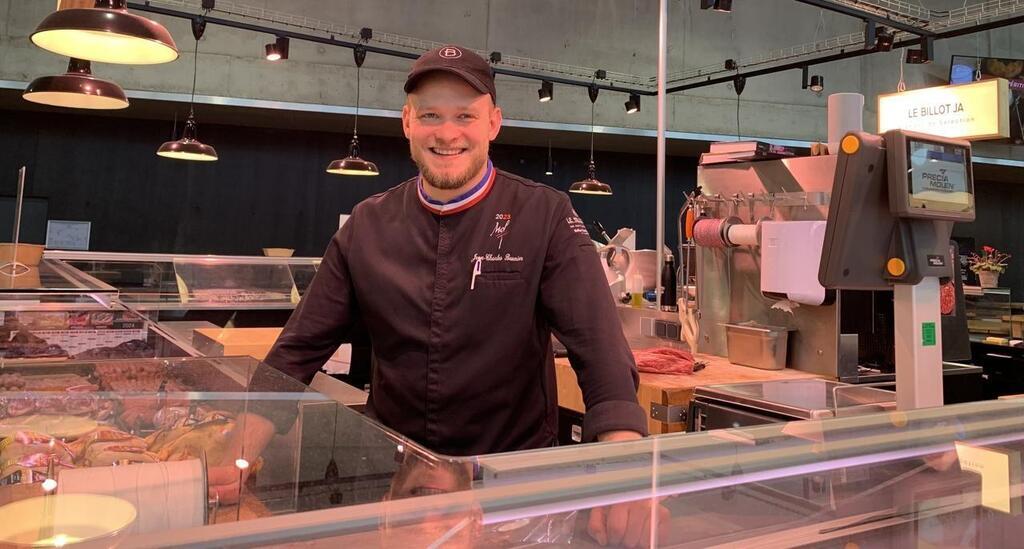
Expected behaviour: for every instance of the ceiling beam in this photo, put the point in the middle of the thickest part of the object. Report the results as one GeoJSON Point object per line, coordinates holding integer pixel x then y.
{"type": "Point", "coordinates": [844, 55]}
{"type": "Point", "coordinates": [867, 15]}
{"type": "Point", "coordinates": [332, 41]}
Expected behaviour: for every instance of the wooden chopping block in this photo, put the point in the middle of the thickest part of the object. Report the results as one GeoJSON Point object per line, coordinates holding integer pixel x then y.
{"type": "Point", "coordinates": [668, 394]}
{"type": "Point", "coordinates": [254, 342]}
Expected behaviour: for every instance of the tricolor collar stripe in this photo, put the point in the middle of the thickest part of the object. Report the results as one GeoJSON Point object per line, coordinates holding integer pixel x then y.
{"type": "Point", "coordinates": [462, 202]}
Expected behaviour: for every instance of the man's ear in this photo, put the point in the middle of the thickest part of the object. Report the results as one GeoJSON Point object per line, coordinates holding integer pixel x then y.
{"type": "Point", "coordinates": [496, 119]}
{"type": "Point", "coordinates": [406, 117]}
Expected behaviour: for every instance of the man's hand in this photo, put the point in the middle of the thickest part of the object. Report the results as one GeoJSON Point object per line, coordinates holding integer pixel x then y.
{"type": "Point", "coordinates": [247, 440]}
{"type": "Point", "coordinates": [627, 524]}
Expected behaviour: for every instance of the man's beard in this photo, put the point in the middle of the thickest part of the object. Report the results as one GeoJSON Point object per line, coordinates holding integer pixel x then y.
{"type": "Point", "coordinates": [448, 182]}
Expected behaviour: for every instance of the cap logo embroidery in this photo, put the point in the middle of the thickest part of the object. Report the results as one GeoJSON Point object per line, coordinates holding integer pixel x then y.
{"type": "Point", "coordinates": [450, 52]}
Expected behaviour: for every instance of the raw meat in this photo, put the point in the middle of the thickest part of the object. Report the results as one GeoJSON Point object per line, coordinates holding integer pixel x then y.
{"type": "Point", "coordinates": [947, 298]}
{"type": "Point", "coordinates": [664, 360]}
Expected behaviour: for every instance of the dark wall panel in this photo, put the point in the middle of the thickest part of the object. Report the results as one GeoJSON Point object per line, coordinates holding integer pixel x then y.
{"type": "Point", "coordinates": [1000, 223]}
{"type": "Point", "coordinates": [269, 188]}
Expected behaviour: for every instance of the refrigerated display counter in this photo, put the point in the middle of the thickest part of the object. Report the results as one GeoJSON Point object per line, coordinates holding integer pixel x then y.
{"type": "Point", "coordinates": [55, 312]}
{"type": "Point", "coordinates": [935, 477]}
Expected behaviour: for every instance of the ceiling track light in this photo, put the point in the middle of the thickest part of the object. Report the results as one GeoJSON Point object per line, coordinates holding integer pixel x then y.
{"type": "Point", "coordinates": [76, 89]}
{"type": "Point", "coordinates": [724, 6]}
{"type": "Point", "coordinates": [878, 38]}
{"type": "Point", "coordinates": [106, 33]}
{"type": "Point", "coordinates": [591, 185]}
{"type": "Point", "coordinates": [546, 92]}
{"type": "Point", "coordinates": [633, 104]}
{"type": "Point", "coordinates": [353, 164]}
{"type": "Point", "coordinates": [816, 83]}
{"type": "Point", "coordinates": [278, 49]}
{"type": "Point", "coordinates": [189, 147]}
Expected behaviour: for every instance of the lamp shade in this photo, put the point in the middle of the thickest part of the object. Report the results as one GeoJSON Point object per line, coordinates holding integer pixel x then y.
{"type": "Point", "coordinates": [353, 164]}
{"type": "Point", "coordinates": [76, 89]}
{"type": "Point", "coordinates": [107, 33]}
{"type": "Point", "coordinates": [188, 147]}
{"type": "Point", "coordinates": [591, 185]}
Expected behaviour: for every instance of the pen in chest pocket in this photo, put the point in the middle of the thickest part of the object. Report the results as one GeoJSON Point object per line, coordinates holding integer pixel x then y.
{"type": "Point", "coordinates": [476, 272]}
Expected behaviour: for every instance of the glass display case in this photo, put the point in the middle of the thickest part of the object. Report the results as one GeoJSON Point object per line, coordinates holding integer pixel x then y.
{"type": "Point", "coordinates": [81, 332]}
{"type": "Point", "coordinates": [150, 434]}
{"type": "Point", "coordinates": [989, 312]}
{"type": "Point", "coordinates": [54, 312]}
{"type": "Point", "coordinates": [155, 282]}
{"type": "Point", "coordinates": [938, 477]}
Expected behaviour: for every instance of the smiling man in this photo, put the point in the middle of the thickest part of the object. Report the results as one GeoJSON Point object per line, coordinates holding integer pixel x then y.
{"type": "Point", "coordinates": [460, 275]}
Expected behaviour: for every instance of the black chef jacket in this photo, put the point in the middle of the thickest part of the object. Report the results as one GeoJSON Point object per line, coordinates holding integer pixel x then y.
{"type": "Point", "coordinates": [460, 310]}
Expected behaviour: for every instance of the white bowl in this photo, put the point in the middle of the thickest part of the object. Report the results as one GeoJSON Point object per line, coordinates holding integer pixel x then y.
{"type": "Point", "coordinates": [82, 520]}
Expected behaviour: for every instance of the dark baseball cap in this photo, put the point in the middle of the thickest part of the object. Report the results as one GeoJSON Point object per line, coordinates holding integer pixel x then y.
{"type": "Point", "coordinates": [461, 62]}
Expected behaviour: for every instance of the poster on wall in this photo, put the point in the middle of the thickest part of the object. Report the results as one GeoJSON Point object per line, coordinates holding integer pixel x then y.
{"type": "Point", "coordinates": [67, 235]}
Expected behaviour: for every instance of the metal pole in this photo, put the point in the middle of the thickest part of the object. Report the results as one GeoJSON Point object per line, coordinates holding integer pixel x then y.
{"type": "Point", "coordinates": [659, 243]}
{"type": "Point", "coordinates": [16, 232]}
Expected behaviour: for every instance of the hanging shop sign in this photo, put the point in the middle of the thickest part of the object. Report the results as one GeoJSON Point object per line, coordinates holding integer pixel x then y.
{"type": "Point", "coordinates": [979, 110]}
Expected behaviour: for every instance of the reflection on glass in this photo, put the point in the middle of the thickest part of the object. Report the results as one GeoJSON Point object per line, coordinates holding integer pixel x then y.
{"type": "Point", "coordinates": [439, 523]}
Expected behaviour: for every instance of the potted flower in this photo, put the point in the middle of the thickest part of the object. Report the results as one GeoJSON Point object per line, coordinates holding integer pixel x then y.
{"type": "Point", "coordinates": [989, 265]}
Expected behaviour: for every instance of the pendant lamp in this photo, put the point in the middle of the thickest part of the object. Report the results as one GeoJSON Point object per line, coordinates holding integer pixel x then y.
{"type": "Point", "coordinates": [353, 164]}
{"type": "Point", "coordinates": [106, 33]}
{"type": "Point", "coordinates": [591, 185]}
{"type": "Point", "coordinates": [550, 170]}
{"type": "Point", "coordinates": [189, 147]}
{"type": "Point", "coordinates": [76, 89]}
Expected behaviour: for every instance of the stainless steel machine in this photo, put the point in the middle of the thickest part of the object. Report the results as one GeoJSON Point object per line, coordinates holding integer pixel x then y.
{"type": "Point", "coordinates": [742, 220]}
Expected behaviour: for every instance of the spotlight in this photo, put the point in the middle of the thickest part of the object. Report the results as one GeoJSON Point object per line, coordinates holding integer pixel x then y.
{"type": "Point", "coordinates": [884, 39]}
{"type": "Point", "coordinates": [546, 92]}
{"type": "Point", "coordinates": [717, 5]}
{"type": "Point", "coordinates": [730, 65]}
{"type": "Point", "coordinates": [633, 105]}
{"type": "Point", "coordinates": [278, 49]}
{"type": "Point", "coordinates": [816, 83]}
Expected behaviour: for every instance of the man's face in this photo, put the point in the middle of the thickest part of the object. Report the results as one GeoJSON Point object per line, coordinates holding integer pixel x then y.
{"type": "Point", "coordinates": [449, 126]}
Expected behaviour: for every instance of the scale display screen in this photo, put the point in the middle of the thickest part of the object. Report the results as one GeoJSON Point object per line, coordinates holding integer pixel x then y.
{"type": "Point", "coordinates": [938, 176]}
{"type": "Point", "coordinates": [930, 177]}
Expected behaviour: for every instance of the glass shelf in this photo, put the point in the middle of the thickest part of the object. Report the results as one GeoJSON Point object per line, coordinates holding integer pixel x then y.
{"type": "Point", "coordinates": [155, 282]}
{"type": "Point", "coordinates": [53, 282]}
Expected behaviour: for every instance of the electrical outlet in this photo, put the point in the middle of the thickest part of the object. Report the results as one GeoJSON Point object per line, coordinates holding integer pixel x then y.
{"type": "Point", "coordinates": [667, 330]}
